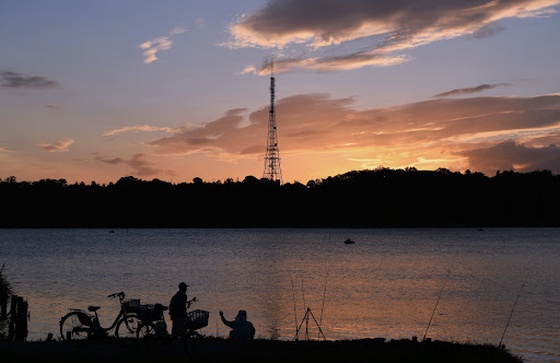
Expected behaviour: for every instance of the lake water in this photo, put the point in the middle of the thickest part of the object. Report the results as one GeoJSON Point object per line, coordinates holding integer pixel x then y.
{"type": "Point", "coordinates": [388, 284]}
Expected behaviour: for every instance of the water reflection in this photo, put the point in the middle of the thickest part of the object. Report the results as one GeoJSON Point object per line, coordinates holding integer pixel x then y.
{"type": "Point", "coordinates": [384, 285]}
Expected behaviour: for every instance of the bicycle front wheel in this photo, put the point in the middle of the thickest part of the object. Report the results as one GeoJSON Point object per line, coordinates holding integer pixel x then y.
{"type": "Point", "coordinates": [75, 326]}
{"type": "Point", "coordinates": [127, 326]}
{"type": "Point", "coordinates": [196, 345]}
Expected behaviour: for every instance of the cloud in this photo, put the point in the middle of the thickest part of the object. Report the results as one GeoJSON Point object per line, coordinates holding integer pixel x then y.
{"type": "Point", "coordinates": [510, 155]}
{"type": "Point", "coordinates": [465, 91]}
{"type": "Point", "coordinates": [114, 161]}
{"type": "Point", "coordinates": [11, 79]}
{"type": "Point", "coordinates": [57, 146]}
{"type": "Point", "coordinates": [5, 150]}
{"type": "Point", "coordinates": [356, 33]}
{"type": "Point", "coordinates": [53, 107]}
{"type": "Point", "coordinates": [137, 128]}
{"type": "Point", "coordinates": [425, 133]}
{"type": "Point", "coordinates": [142, 167]}
{"type": "Point", "coordinates": [200, 23]}
{"type": "Point", "coordinates": [153, 46]}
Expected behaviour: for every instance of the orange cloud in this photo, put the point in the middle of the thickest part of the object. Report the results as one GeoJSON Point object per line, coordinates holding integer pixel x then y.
{"type": "Point", "coordinates": [448, 131]}
{"type": "Point", "coordinates": [137, 128]}
{"type": "Point", "coordinates": [57, 146]}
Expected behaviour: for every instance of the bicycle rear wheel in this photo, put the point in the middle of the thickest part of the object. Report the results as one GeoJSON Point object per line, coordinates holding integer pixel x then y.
{"type": "Point", "coordinates": [148, 334]}
{"type": "Point", "coordinates": [146, 331]}
{"type": "Point", "coordinates": [75, 326]}
{"type": "Point", "coordinates": [127, 326]}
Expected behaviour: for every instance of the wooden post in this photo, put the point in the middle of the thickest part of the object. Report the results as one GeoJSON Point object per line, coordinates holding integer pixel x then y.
{"type": "Point", "coordinates": [21, 323]}
{"type": "Point", "coordinates": [4, 309]}
{"type": "Point", "coordinates": [13, 314]}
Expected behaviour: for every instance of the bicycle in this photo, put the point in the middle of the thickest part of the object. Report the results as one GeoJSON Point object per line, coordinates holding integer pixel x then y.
{"type": "Point", "coordinates": [154, 328]}
{"type": "Point", "coordinates": [80, 324]}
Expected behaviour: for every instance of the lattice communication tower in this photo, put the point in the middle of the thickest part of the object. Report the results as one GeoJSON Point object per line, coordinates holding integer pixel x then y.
{"type": "Point", "coordinates": [272, 170]}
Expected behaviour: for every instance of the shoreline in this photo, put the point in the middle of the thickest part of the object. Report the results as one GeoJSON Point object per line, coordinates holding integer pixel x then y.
{"type": "Point", "coordinates": [219, 350]}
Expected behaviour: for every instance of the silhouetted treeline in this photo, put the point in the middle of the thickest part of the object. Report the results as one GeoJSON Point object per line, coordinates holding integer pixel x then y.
{"type": "Point", "coordinates": [370, 198]}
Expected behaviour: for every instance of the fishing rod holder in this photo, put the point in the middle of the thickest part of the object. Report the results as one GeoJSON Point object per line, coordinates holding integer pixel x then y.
{"type": "Point", "coordinates": [306, 317]}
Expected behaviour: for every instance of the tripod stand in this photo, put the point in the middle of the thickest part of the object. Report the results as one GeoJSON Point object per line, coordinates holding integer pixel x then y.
{"type": "Point", "coordinates": [305, 320]}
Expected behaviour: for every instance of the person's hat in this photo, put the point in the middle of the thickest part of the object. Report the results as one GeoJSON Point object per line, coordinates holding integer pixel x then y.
{"type": "Point", "coordinates": [183, 285]}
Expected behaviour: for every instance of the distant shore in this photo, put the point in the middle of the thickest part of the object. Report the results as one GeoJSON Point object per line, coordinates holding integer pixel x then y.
{"type": "Point", "coordinates": [381, 198]}
{"type": "Point", "coordinates": [219, 350]}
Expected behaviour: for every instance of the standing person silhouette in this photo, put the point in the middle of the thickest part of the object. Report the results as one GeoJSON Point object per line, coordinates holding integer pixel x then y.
{"type": "Point", "coordinates": [241, 328]}
{"type": "Point", "coordinates": [178, 310]}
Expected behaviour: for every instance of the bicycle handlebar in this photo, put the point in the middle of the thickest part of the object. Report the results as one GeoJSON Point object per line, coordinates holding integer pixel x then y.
{"type": "Point", "coordinates": [189, 303]}
{"type": "Point", "coordinates": [119, 294]}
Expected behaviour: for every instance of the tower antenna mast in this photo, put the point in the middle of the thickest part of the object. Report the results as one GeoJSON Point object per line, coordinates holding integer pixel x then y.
{"type": "Point", "coordinates": [272, 170]}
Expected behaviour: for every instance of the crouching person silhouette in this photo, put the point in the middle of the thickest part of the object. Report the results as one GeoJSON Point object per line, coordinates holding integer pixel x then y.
{"type": "Point", "coordinates": [241, 328]}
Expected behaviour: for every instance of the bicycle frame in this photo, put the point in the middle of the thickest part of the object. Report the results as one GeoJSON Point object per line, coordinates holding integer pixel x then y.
{"type": "Point", "coordinates": [89, 322]}
{"type": "Point", "coordinates": [195, 345]}
{"type": "Point", "coordinates": [95, 316]}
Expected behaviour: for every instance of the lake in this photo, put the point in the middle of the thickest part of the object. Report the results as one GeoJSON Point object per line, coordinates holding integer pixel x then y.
{"type": "Point", "coordinates": [476, 285]}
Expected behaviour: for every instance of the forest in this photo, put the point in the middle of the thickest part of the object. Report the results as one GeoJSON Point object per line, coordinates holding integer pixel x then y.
{"type": "Point", "coordinates": [357, 199]}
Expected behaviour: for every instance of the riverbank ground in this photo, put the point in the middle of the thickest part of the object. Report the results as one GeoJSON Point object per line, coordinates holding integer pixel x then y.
{"type": "Point", "coordinates": [217, 350]}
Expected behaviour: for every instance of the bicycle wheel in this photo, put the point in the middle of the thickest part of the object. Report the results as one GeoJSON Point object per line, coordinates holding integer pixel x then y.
{"type": "Point", "coordinates": [146, 334]}
{"type": "Point", "coordinates": [146, 331]}
{"type": "Point", "coordinates": [127, 326]}
{"type": "Point", "coordinates": [196, 345]}
{"type": "Point", "coordinates": [75, 326]}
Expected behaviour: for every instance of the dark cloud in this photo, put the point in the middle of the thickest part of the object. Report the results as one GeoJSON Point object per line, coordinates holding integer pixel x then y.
{"type": "Point", "coordinates": [11, 79]}
{"type": "Point", "coordinates": [509, 155]}
{"type": "Point", "coordinates": [139, 162]}
{"type": "Point", "coordinates": [488, 31]}
{"type": "Point", "coordinates": [53, 107]}
{"type": "Point", "coordinates": [372, 32]}
{"type": "Point", "coordinates": [466, 91]}
{"type": "Point", "coordinates": [114, 161]}
{"type": "Point", "coordinates": [142, 166]}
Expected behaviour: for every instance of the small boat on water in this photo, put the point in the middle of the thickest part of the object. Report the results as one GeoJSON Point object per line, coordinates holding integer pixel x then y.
{"type": "Point", "coordinates": [349, 241]}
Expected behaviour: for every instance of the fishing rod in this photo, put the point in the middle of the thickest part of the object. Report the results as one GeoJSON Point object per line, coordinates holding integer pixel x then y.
{"type": "Point", "coordinates": [323, 305]}
{"type": "Point", "coordinates": [305, 315]}
{"type": "Point", "coordinates": [303, 294]}
{"type": "Point", "coordinates": [437, 302]}
{"type": "Point", "coordinates": [512, 309]}
{"type": "Point", "coordinates": [294, 299]}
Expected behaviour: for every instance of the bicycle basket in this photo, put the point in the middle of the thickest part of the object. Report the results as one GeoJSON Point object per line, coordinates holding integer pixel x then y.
{"type": "Point", "coordinates": [131, 306]}
{"type": "Point", "coordinates": [197, 319]}
{"type": "Point", "coordinates": [151, 312]}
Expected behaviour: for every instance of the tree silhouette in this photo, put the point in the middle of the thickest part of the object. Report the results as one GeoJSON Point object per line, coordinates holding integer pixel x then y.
{"type": "Point", "coordinates": [366, 198]}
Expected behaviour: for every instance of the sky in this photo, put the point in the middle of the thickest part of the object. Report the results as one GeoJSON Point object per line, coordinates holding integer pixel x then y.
{"type": "Point", "coordinates": [175, 89]}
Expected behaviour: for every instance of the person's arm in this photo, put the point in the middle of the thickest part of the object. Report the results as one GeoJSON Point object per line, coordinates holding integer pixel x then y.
{"type": "Point", "coordinates": [226, 322]}
{"type": "Point", "coordinates": [189, 302]}
{"type": "Point", "coordinates": [252, 330]}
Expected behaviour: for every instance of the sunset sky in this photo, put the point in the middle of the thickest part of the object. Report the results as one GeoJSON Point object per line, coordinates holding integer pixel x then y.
{"type": "Point", "coordinates": [171, 89]}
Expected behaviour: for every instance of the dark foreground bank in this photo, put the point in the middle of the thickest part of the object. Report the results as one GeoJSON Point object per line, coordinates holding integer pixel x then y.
{"type": "Point", "coordinates": [220, 350]}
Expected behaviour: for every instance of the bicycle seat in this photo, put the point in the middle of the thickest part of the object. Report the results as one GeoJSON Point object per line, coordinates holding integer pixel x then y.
{"type": "Point", "coordinates": [93, 308]}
